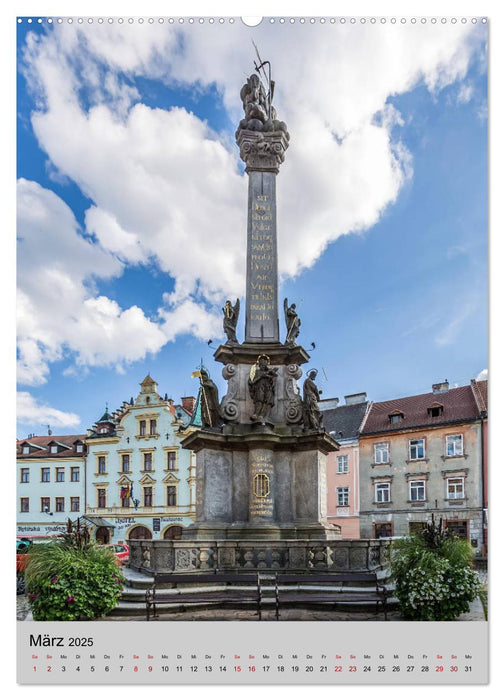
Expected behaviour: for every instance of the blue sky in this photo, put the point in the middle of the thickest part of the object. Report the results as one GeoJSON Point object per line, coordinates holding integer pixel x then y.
{"type": "Point", "coordinates": [132, 206]}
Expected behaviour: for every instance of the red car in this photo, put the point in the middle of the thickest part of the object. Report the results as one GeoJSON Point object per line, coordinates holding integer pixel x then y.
{"type": "Point", "coordinates": [120, 551]}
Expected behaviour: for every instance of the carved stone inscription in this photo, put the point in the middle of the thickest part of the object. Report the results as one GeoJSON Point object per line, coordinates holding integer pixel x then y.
{"type": "Point", "coordinates": [262, 303]}
{"type": "Point", "coordinates": [261, 485]}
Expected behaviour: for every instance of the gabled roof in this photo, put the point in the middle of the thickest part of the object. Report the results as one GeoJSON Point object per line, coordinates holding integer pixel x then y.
{"type": "Point", "coordinates": [344, 421]}
{"type": "Point", "coordinates": [42, 444]}
{"type": "Point", "coordinates": [458, 404]}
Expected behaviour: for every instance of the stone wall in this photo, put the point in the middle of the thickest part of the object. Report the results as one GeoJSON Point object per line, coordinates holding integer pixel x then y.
{"type": "Point", "coordinates": [165, 556]}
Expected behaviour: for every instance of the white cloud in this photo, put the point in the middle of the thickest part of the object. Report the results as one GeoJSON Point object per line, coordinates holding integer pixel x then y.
{"type": "Point", "coordinates": [31, 412]}
{"type": "Point", "coordinates": [57, 308]}
{"type": "Point", "coordinates": [465, 93]}
{"type": "Point", "coordinates": [482, 376]}
{"type": "Point", "coordinates": [166, 189]}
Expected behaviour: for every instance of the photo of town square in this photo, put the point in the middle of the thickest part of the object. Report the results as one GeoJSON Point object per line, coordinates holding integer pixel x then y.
{"type": "Point", "coordinates": [252, 329]}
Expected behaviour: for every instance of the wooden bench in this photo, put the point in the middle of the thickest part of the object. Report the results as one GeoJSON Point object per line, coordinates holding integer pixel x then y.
{"type": "Point", "coordinates": [233, 588]}
{"type": "Point", "coordinates": [308, 588]}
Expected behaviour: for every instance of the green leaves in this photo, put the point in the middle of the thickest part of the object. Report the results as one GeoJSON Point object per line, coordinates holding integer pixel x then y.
{"type": "Point", "coordinates": [67, 582]}
{"type": "Point", "coordinates": [434, 575]}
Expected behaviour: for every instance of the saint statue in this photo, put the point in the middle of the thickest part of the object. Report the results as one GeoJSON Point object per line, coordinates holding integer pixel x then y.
{"type": "Point", "coordinates": [262, 388]}
{"type": "Point", "coordinates": [230, 320]}
{"type": "Point", "coordinates": [312, 416]}
{"type": "Point", "coordinates": [293, 323]}
{"type": "Point", "coordinates": [210, 416]}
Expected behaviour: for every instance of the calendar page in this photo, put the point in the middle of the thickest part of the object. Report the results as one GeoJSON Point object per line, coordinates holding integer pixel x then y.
{"type": "Point", "coordinates": [252, 350]}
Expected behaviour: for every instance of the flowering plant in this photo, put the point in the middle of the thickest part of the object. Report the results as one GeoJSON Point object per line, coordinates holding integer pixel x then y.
{"type": "Point", "coordinates": [69, 583]}
{"type": "Point", "coordinates": [434, 580]}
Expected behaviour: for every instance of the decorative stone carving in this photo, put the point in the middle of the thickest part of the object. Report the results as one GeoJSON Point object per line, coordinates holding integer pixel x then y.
{"type": "Point", "coordinates": [262, 151]}
{"type": "Point", "coordinates": [226, 557]}
{"type": "Point", "coordinates": [312, 416]}
{"type": "Point", "coordinates": [230, 320]}
{"type": "Point", "coordinates": [260, 115]}
{"type": "Point", "coordinates": [210, 415]}
{"type": "Point", "coordinates": [294, 403]}
{"type": "Point", "coordinates": [292, 321]}
{"type": "Point", "coordinates": [229, 406]}
{"type": "Point", "coordinates": [261, 382]}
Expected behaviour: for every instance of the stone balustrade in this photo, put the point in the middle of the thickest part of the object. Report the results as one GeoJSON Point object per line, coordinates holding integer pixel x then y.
{"type": "Point", "coordinates": [165, 556]}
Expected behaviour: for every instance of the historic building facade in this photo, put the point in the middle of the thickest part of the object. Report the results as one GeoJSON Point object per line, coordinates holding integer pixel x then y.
{"type": "Point", "coordinates": [342, 468]}
{"type": "Point", "coordinates": [140, 482]}
{"type": "Point", "coordinates": [422, 456]}
{"type": "Point", "coordinates": [50, 482]}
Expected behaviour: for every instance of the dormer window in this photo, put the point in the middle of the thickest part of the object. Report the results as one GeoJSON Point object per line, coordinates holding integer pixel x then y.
{"type": "Point", "coordinates": [395, 417]}
{"type": "Point", "coordinates": [436, 410]}
{"type": "Point", "coordinates": [79, 447]}
{"type": "Point", "coordinates": [26, 449]}
{"type": "Point", "coordinates": [54, 449]}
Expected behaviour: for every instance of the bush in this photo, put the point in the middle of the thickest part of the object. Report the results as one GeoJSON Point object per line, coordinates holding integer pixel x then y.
{"type": "Point", "coordinates": [434, 575]}
{"type": "Point", "coordinates": [72, 579]}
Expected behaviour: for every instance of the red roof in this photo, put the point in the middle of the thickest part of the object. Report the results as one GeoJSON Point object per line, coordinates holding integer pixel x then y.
{"type": "Point", "coordinates": [458, 405]}
{"type": "Point", "coordinates": [43, 443]}
{"type": "Point", "coordinates": [480, 391]}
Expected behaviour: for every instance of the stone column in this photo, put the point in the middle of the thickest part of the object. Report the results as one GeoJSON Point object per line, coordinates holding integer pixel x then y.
{"type": "Point", "coordinates": [263, 152]}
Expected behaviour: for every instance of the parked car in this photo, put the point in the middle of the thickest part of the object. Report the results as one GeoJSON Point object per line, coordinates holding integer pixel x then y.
{"type": "Point", "coordinates": [120, 551]}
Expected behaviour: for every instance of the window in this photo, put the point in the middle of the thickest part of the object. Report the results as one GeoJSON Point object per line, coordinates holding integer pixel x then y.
{"type": "Point", "coordinates": [383, 530]}
{"type": "Point", "coordinates": [147, 496]}
{"type": "Point", "coordinates": [417, 490]}
{"type": "Point", "coordinates": [74, 504]}
{"type": "Point", "coordinates": [46, 474]}
{"type": "Point", "coordinates": [125, 463]}
{"type": "Point", "coordinates": [75, 474]}
{"type": "Point", "coordinates": [45, 505]}
{"type": "Point", "coordinates": [60, 474]}
{"type": "Point", "coordinates": [60, 504]}
{"type": "Point", "coordinates": [455, 488]}
{"type": "Point", "coordinates": [142, 427]}
{"type": "Point", "coordinates": [381, 453]}
{"type": "Point", "coordinates": [54, 449]}
{"type": "Point", "coordinates": [148, 461]}
{"type": "Point", "coordinates": [25, 505]}
{"type": "Point", "coordinates": [26, 449]}
{"type": "Point", "coordinates": [382, 492]}
{"type": "Point", "coordinates": [25, 476]}
{"type": "Point", "coordinates": [79, 447]}
{"type": "Point", "coordinates": [153, 427]}
{"type": "Point", "coordinates": [343, 464]}
{"type": "Point", "coordinates": [417, 449]}
{"type": "Point", "coordinates": [171, 495]}
{"type": "Point", "coordinates": [454, 445]}
{"type": "Point", "coordinates": [171, 461]}
{"type": "Point", "coordinates": [102, 498]}
{"type": "Point", "coordinates": [435, 411]}
{"type": "Point", "coordinates": [395, 418]}
{"type": "Point", "coordinates": [102, 466]}
{"type": "Point", "coordinates": [343, 494]}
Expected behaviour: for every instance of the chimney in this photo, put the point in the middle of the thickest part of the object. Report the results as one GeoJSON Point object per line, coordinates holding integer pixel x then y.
{"type": "Point", "coordinates": [189, 403]}
{"type": "Point", "coordinates": [441, 387]}
{"type": "Point", "coordinates": [326, 404]}
{"type": "Point", "coordinates": [352, 399]}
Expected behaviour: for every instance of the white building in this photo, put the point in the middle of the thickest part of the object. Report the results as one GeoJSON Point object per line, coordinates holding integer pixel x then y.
{"type": "Point", "coordinates": [140, 482]}
{"type": "Point", "coordinates": [51, 483]}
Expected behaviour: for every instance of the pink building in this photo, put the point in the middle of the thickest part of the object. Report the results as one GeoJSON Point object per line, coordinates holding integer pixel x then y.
{"type": "Point", "coordinates": [342, 475]}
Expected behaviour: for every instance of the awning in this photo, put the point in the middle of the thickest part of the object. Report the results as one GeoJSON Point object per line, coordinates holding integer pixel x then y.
{"type": "Point", "coordinates": [99, 522]}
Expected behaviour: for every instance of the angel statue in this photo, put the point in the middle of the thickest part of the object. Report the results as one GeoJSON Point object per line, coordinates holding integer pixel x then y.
{"type": "Point", "coordinates": [230, 320]}
{"type": "Point", "coordinates": [293, 323]}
